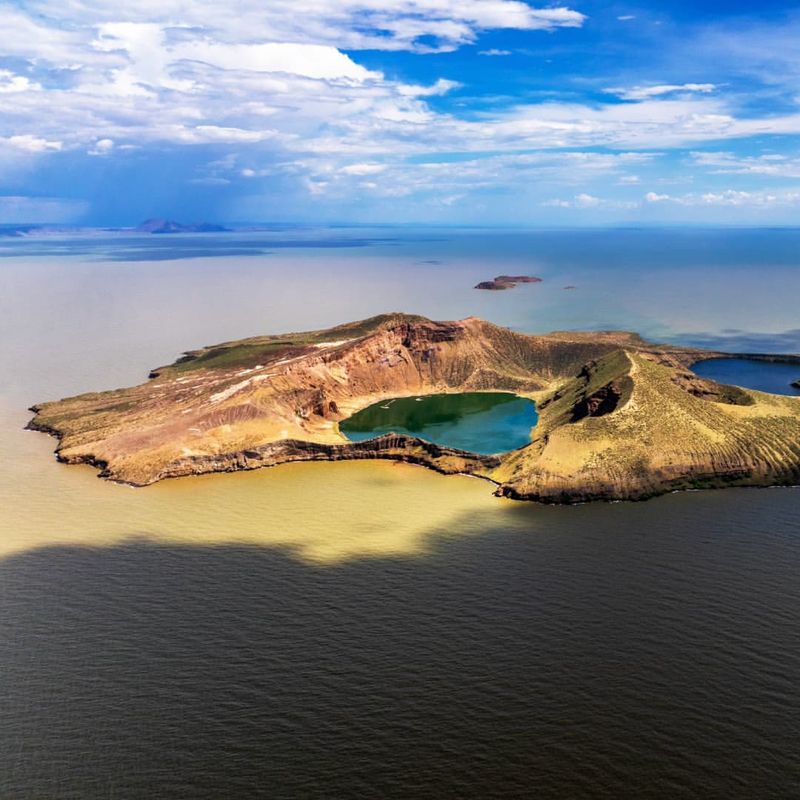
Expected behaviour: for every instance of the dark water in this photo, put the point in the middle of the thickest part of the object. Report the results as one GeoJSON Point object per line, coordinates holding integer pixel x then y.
{"type": "Point", "coordinates": [765, 376]}
{"type": "Point", "coordinates": [605, 651]}
{"type": "Point", "coordinates": [482, 422]}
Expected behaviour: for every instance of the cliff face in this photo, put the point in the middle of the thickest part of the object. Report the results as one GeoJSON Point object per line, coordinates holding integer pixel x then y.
{"type": "Point", "coordinates": [618, 418]}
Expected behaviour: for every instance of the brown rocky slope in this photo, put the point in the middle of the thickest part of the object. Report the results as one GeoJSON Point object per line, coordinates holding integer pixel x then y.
{"type": "Point", "coordinates": [619, 418]}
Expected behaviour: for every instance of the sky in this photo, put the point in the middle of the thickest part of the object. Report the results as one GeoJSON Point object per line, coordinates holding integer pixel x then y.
{"type": "Point", "coordinates": [475, 112]}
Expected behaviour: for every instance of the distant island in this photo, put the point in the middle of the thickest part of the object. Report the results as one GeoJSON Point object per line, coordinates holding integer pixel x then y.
{"type": "Point", "coordinates": [157, 225]}
{"type": "Point", "coordinates": [17, 230]}
{"type": "Point", "coordinates": [619, 418]}
{"type": "Point", "coordinates": [502, 282]}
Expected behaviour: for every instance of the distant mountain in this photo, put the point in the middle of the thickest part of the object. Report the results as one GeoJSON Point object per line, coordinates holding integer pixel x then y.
{"type": "Point", "coordinates": [157, 225]}
{"type": "Point", "coordinates": [16, 230]}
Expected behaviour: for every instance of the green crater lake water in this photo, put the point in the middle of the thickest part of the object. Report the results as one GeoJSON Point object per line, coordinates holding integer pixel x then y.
{"type": "Point", "coordinates": [480, 422]}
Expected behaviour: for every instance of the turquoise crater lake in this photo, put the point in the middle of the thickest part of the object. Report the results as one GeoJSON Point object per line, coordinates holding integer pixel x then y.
{"type": "Point", "coordinates": [481, 422]}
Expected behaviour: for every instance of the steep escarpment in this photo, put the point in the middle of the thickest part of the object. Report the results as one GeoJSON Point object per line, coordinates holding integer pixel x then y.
{"type": "Point", "coordinates": [619, 418]}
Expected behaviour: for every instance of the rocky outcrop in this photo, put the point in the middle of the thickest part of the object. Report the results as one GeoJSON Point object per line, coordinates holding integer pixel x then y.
{"type": "Point", "coordinates": [506, 282]}
{"type": "Point", "coordinates": [619, 417]}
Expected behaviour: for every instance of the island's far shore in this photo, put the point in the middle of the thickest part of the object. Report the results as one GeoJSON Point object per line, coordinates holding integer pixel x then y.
{"type": "Point", "coordinates": [619, 418]}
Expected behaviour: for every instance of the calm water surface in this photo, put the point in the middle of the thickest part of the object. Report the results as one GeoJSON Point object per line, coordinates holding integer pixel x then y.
{"type": "Point", "coordinates": [481, 422]}
{"type": "Point", "coordinates": [376, 630]}
{"type": "Point", "coordinates": [765, 376]}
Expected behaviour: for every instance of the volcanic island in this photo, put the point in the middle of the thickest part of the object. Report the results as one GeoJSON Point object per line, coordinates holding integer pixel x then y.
{"type": "Point", "coordinates": [619, 417]}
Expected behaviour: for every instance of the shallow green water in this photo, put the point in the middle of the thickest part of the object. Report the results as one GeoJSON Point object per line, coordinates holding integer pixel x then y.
{"type": "Point", "coordinates": [481, 422]}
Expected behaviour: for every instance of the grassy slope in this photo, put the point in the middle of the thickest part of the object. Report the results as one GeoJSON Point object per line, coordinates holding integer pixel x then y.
{"type": "Point", "coordinates": [248, 353]}
{"type": "Point", "coordinates": [662, 438]}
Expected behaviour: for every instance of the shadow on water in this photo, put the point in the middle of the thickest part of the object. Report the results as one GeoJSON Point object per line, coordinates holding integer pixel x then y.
{"type": "Point", "coordinates": [647, 651]}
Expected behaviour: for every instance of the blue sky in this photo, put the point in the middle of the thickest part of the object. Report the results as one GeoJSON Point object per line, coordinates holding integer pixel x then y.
{"type": "Point", "coordinates": [441, 111]}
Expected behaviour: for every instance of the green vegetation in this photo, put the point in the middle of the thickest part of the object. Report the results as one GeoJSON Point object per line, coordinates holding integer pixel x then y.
{"type": "Point", "coordinates": [247, 353]}
{"type": "Point", "coordinates": [236, 355]}
{"type": "Point", "coordinates": [610, 370]}
{"type": "Point", "coordinates": [734, 396]}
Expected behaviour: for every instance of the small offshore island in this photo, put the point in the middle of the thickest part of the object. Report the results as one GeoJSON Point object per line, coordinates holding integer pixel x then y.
{"type": "Point", "coordinates": [618, 417]}
{"type": "Point", "coordinates": [502, 282]}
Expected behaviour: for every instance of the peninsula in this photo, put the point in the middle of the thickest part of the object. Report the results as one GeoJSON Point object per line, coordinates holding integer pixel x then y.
{"type": "Point", "coordinates": [619, 418]}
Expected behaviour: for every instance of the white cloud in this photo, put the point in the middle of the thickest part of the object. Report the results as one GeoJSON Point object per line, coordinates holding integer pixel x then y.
{"type": "Point", "coordinates": [102, 147]}
{"type": "Point", "coordinates": [734, 197]}
{"type": "Point", "coordinates": [362, 169]}
{"type": "Point", "coordinates": [11, 83]}
{"type": "Point", "coordinates": [647, 92]}
{"type": "Point", "coordinates": [588, 201]}
{"type": "Point", "coordinates": [650, 124]}
{"type": "Point", "coordinates": [196, 73]}
{"type": "Point", "coordinates": [46, 39]}
{"type": "Point", "coordinates": [493, 51]}
{"type": "Point", "coordinates": [276, 87]}
{"type": "Point", "coordinates": [153, 61]}
{"type": "Point", "coordinates": [442, 86]}
{"type": "Point", "coordinates": [205, 134]}
{"type": "Point", "coordinates": [731, 198]}
{"type": "Point", "coordinates": [584, 200]}
{"type": "Point", "coordinates": [307, 60]}
{"type": "Point", "coordinates": [29, 143]}
{"type": "Point", "coordinates": [725, 163]}
{"type": "Point", "coordinates": [345, 24]}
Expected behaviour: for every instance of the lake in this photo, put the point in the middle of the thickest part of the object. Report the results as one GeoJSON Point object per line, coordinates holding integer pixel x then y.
{"type": "Point", "coordinates": [765, 376]}
{"type": "Point", "coordinates": [481, 422]}
{"type": "Point", "coordinates": [363, 629]}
